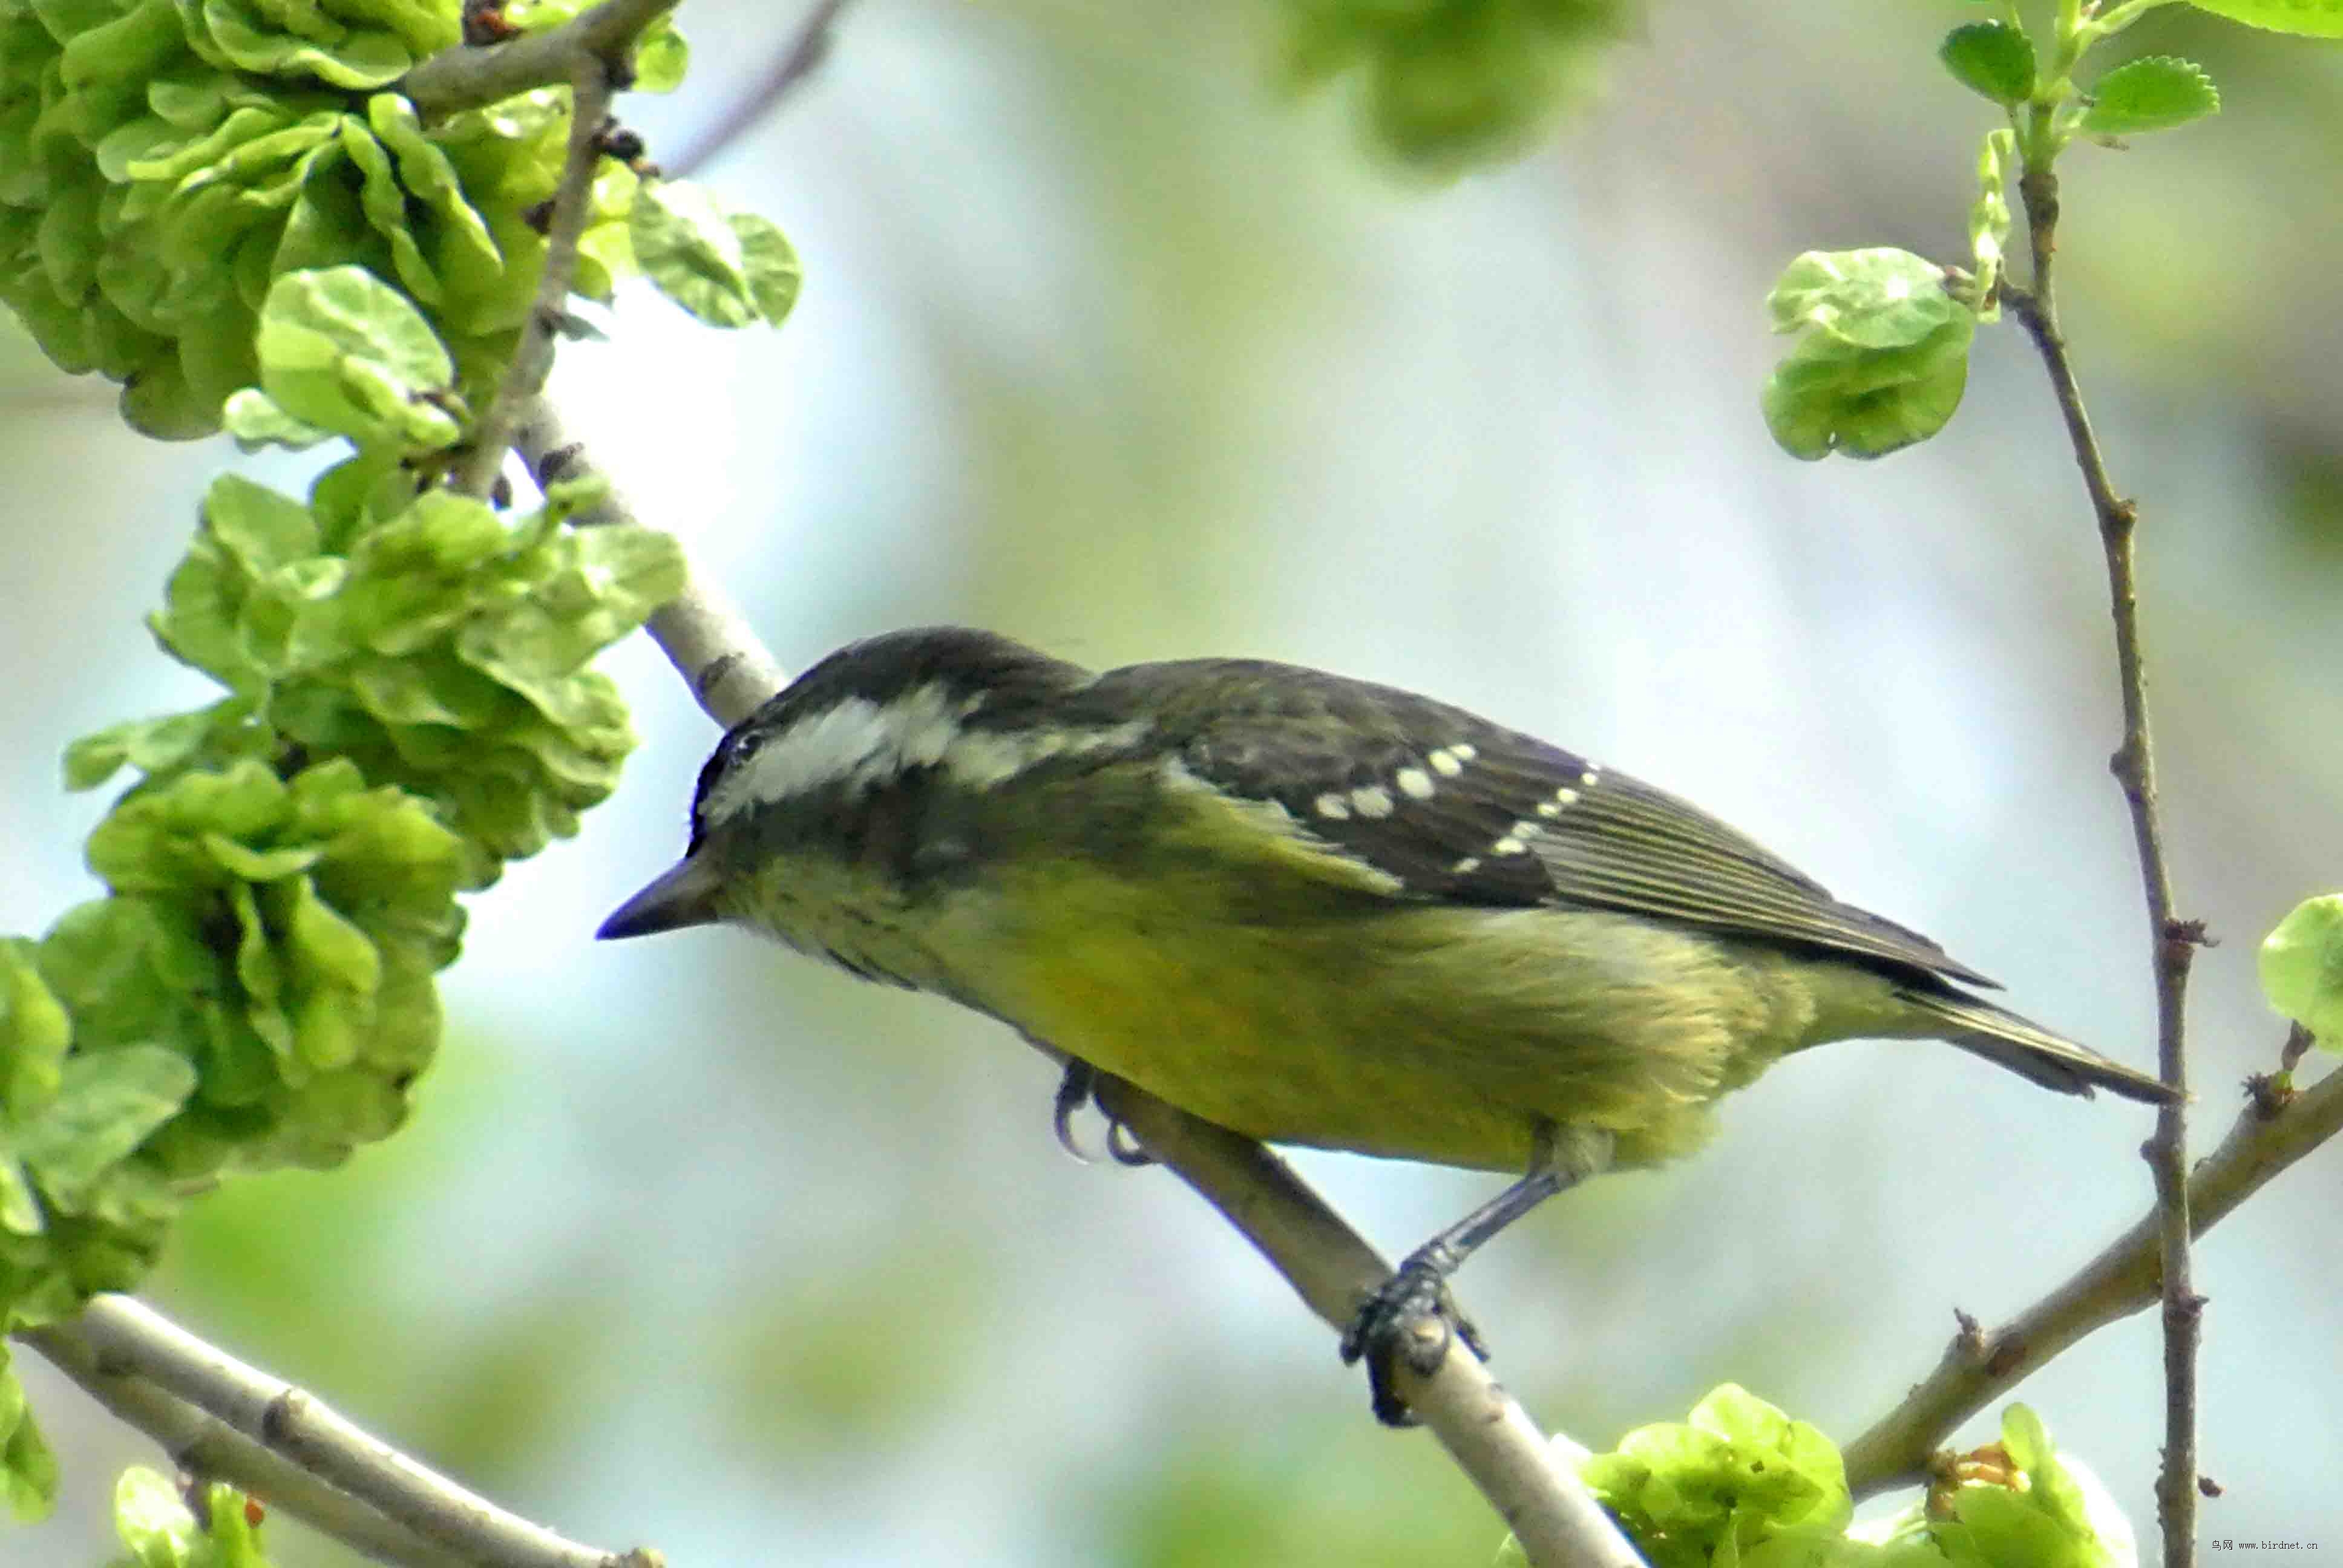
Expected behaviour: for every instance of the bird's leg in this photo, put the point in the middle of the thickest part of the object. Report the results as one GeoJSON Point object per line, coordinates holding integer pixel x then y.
{"type": "Point", "coordinates": [1078, 1088]}
{"type": "Point", "coordinates": [1416, 1294]}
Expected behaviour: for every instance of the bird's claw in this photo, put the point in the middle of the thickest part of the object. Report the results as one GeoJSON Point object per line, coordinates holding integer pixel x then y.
{"type": "Point", "coordinates": [1078, 1088]}
{"type": "Point", "coordinates": [1412, 1317]}
{"type": "Point", "coordinates": [1074, 1092]}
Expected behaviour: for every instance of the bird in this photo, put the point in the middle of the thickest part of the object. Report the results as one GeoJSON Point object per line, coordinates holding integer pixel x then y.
{"type": "Point", "coordinates": [1311, 910]}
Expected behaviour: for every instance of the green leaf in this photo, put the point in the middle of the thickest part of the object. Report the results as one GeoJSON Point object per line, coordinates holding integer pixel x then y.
{"type": "Point", "coordinates": [238, 34]}
{"type": "Point", "coordinates": [1989, 219]}
{"type": "Point", "coordinates": [2302, 967]}
{"type": "Point", "coordinates": [35, 1030]}
{"type": "Point", "coordinates": [772, 263]}
{"type": "Point", "coordinates": [255, 420]}
{"type": "Point", "coordinates": [328, 947]}
{"type": "Point", "coordinates": [107, 1102]}
{"type": "Point", "coordinates": [2306, 18]}
{"type": "Point", "coordinates": [2044, 1518]}
{"type": "Point", "coordinates": [728, 269]}
{"type": "Point", "coordinates": [661, 58]}
{"type": "Point", "coordinates": [1882, 360]}
{"type": "Point", "coordinates": [1737, 1475]}
{"type": "Point", "coordinates": [341, 349]}
{"type": "Point", "coordinates": [1878, 299]}
{"type": "Point", "coordinates": [2151, 95]}
{"type": "Point", "coordinates": [28, 1471]}
{"type": "Point", "coordinates": [154, 1522]}
{"type": "Point", "coordinates": [153, 746]}
{"type": "Point", "coordinates": [1992, 59]}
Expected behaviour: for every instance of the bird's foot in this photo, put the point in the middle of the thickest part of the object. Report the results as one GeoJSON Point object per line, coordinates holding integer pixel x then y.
{"type": "Point", "coordinates": [1409, 1317]}
{"type": "Point", "coordinates": [1077, 1089]}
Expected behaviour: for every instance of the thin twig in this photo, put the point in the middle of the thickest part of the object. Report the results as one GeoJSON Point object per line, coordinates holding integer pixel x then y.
{"type": "Point", "coordinates": [472, 77]}
{"type": "Point", "coordinates": [1484, 1429]}
{"type": "Point", "coordinates": [202, 1445]}
{"type": "Point", "coordinates": [2173, 941]}
{"type": "Point", "coordinates": [2276, 1130]}
{"type": "Point", "coordinates": [127, 1338]}
{"type": "Point", "coordinates": [802, 55]}
{"type": "Point", "coordinates": [572, 203]}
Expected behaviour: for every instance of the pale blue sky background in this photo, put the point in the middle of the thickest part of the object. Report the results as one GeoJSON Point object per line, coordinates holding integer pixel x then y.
{"type": "Point", "coordinates": [1103, 347]}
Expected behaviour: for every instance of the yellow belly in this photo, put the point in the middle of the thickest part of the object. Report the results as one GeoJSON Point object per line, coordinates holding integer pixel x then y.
{"type": "Point", "coordinates": [1432, 1033]}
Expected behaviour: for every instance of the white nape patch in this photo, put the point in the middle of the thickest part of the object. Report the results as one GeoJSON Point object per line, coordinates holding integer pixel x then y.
{"type": "Point", "coordinates": [1332, 807]}
{"type": "Point", "coordinates": [984, 759]}
{"type": "Point", "coordinates": [1445, 762]}
{"type": "Point", "coordinates": [859, 743]}
{"type": "Point", "coordinates": [1414, 783]}
{"type": "Point", "coordinates": [1372, 801]}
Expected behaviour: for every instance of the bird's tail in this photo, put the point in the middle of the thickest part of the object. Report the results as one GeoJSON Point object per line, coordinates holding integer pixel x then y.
{"type": "Point", "coordinates": [2032, 1051]}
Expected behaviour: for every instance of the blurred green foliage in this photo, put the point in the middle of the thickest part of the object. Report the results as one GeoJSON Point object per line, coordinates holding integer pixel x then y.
{"type": "Point", "coordinates": [1445, 85]}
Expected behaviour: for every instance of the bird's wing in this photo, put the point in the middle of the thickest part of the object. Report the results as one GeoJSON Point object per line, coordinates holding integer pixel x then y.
{"type": "Point", "coordinates": [1463, 810]}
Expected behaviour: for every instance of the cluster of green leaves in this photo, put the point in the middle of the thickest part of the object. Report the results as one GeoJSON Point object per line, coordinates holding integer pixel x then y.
{"type": "Point", "coordinates": [163, 162]}
{"type": "Point", "coordinates": [1739, 1484]}
{"type": "Point", "coordinates": [406, 708]}
{"type": "Point", "coordinates": [1881, 354]}
{"type": "Point", "coordinates": [1448, 84]}
{"type": "Point", "coordinates": [158, 1528]}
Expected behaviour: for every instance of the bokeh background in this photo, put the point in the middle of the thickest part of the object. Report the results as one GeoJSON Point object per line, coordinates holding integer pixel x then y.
{"type": "Point", "coordinates": [1106, 344]}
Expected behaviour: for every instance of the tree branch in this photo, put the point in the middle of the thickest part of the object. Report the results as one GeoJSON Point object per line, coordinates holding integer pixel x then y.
{"type": "Point", "coordinates": [2277, 1127]}
{"type": "Point", "coordinates": [573, 203]}
{"type": "Point", "coordinates": [473, 76]}
{"type": "Point", "coordinates": [119, 1341]}
{"type": "Point", "coordinates": [1484, 1428]}
{"type": "Point", "coordinates": [798, 58]}
{"type": "Point", "coordinates": [2172, 941]}
{"type": "Point", "coordinates": [703, 635]}
{"type": "Point", "coordinates": [200, 1445]}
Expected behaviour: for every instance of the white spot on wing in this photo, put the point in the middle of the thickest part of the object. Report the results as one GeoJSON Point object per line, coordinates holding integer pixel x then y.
{"type": "Point", "coordinates": [1413, 783]}
{"type": "Point", "coordinates": [1273, 816]}
{"type": "Point", "coordinates": [1465, 866]}
{"type": "Point", "coordinates": [1332, 806]}
{"type": "Point", "coordinates": [1372, 801]}
{"type": "Point", "coordinates": [1445, 762]}
{"type": "Point", "coordinates": [1508, 846]}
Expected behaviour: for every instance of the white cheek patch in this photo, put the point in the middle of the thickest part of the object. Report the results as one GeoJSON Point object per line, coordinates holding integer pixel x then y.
{"type": "Point", "coordinates": [857, 740]}
{"type": "Point", "coordinates": [862, 742]}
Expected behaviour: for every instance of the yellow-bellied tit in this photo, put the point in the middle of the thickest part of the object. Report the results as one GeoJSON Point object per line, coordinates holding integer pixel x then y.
{"type": "Point", "coordinates": [1310, 910]}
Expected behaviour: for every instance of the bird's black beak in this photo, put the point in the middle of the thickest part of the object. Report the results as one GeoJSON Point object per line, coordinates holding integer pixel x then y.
{"type": "Point", "coordinates": [683, 895]}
